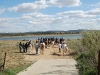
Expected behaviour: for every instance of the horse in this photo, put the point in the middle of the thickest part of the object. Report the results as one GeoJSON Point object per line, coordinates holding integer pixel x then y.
{"type": "Point", "coordinates": [64, 48]}
{"type": "Point", "coordinates": [30, 46]}
{"type": "Point", "coordinates": [46, 43]}
{"type": "Point", "coordinates": [42, 46]}
{"type": "Point", "coordinates": [53, 43]}
{"type": "Point", "coordinates": [49, 41]}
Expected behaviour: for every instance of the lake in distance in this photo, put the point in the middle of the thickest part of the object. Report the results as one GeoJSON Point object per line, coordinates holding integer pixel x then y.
{"type": "Point", "coordinates": [67, 36]}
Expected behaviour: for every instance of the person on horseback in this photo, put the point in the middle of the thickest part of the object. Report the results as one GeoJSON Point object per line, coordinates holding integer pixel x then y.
{"type": "Point", "coordinates": [41, 40]}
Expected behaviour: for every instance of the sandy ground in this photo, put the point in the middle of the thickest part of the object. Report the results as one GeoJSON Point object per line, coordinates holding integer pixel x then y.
{"type": "Point", "coordinates": [49, 53]}
{"type": "Point", "coordinates": [50, 63]}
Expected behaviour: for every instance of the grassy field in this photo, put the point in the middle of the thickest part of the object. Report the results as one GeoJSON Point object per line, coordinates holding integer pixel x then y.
{"type": "Point", "coordinates": [14, 61]}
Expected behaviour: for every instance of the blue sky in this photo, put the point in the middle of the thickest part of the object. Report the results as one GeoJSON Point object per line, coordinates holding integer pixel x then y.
{"type": "Point", "coordinates": [43, 15]}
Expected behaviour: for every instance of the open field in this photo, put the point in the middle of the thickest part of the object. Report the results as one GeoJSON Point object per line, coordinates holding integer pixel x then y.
{"type": "Point", "coordinates": [16, 61]}
{"type": "Point", "coordinates": [84, 50]}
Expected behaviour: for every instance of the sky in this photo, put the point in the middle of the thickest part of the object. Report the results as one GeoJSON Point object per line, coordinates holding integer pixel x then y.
{"type": "Point", "coordinates": [45, 15]}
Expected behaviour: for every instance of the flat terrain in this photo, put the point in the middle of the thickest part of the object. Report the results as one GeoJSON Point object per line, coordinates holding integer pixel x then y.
{"type": "Point", "coordinates": [49, 53]}
{"type": "Point", "coordinates": [52, 67]}
{"type": "Point", "coordinates": [50, 63]}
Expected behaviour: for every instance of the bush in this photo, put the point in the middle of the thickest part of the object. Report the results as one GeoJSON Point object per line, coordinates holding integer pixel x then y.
{"type": "Point", "coordinates": [91, 72]}
{"type": "Point", "coordinates": [88, 53]}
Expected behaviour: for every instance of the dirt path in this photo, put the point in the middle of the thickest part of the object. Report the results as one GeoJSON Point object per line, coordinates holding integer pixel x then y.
{"type": "Point", "coordinates": [49, 53]}
{"type": "Point", "coordinates": [50, 63]}
{"type": "Point", "coordinates": [52, 67]}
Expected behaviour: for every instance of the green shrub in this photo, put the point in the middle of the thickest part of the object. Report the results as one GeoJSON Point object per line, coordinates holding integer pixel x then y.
{"type": "Point", "coordinates": [91, 72]}
{"type": "Point", "coordinates": [88, 52]}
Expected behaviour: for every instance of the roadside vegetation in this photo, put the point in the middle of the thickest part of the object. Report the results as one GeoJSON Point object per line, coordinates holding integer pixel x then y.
{"type": "Point", "coordinates": [86, 52]}
{"type": "Point", "coordinates": [14, 60]}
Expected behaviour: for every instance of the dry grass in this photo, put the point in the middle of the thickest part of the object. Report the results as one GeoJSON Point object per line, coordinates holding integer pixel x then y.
{"type": "Point", "coordinates": [14, 58]}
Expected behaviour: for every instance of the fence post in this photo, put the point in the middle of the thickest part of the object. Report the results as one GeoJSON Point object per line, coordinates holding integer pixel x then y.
{"type": "Point", "coordinates": [4, 61]}
{"type": "Point", "coordinates": [99, 63]}
{"type": "Point", "coordinates": [3, 65]}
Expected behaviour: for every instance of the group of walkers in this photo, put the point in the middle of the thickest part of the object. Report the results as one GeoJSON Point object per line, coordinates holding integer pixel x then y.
{"type": "Point", "coordinates": [43, 43]}
{"type": "Point", "coordinates": [23, 47]}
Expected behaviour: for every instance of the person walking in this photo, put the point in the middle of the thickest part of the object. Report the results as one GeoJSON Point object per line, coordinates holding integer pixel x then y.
{"type": "Point", "coordinates": [59, 46]}
{"type": "Point", "coordinates": [20, 47]}
{"type": "Point", "coordinates": [26, 46]}
{"type": "Point", "coordinates": [36, 47]}
{"type": "Point", "coordinates": [23, 45]}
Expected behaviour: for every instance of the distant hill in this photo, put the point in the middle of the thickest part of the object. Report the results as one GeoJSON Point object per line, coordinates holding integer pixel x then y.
{"type": "Point", "coordinates": [79, 30]}
{"type": "Point", "coordinates": [50, 32]}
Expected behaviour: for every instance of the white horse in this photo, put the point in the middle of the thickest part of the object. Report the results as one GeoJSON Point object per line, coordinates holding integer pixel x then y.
{"type": "Point", "coordinates": [53, 43]}
{"type": "Point", "coordinates": [64, 48]}
{"type": "Point", "coordinates": [42, 46]}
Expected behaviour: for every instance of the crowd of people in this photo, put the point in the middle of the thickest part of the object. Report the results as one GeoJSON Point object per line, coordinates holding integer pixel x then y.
{"type": "Point", "coordinates": [43, 43]}
{"type": "Point", "coordinates": [23, 47]}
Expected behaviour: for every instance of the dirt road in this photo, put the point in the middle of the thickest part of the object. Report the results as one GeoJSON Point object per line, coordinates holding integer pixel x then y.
{"type": "Point", "coordinates": [50, 63]}
{"type": "Point", "coordinates": [49, 53]}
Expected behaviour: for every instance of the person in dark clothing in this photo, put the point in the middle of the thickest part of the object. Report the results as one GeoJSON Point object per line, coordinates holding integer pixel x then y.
{"type": "Point", "coordinates": [41, 40]}
{"type": "Point", "coordinates": [23, 47]}
{"type": "Point", "coordinates": [20, 47]}
{"type": "Point", "coordinates": [26, 46]}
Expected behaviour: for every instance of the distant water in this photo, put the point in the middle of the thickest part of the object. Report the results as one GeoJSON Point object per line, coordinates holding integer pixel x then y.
{"type": "Point", "coordinates": [71, 36]}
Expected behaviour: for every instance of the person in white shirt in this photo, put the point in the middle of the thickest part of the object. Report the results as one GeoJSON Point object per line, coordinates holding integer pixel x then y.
{"type": "Point", "coordinates": [36, 47]}
{"type": "Point", "coordinates": [59, 46]}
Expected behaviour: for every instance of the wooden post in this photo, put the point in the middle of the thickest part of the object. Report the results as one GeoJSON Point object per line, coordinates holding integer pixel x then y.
{"type": "Point", "coordinates": [4, 61]}
{"type": "Point", "coordinates": [3, 65]}
{"type": "Point", "coordinates": [99, 63]}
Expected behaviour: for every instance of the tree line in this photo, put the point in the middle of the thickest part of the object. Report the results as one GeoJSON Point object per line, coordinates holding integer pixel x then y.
{"type": "Point", "coordinates": [41, 33]}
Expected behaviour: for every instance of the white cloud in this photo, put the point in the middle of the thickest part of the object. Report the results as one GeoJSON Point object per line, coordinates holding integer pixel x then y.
{"type": "Point", "coordinates": [95, 11]}
{"type": "Point", "coordinates": [2, 9]}
{"type": "Point", "coordinates": [78, 14]}
{"type": "Point", "coordinates": [27, 7]}
{"type": "Point", "coordinates": [66, 3]}
{"type": "Point", "coordinates": [77, 19]}
{"type": "Point", "coordinates": [96, 5]}
{"type": "Point", "coordinates": [42, 4]}
{"type": "Point", "coordinates": [35, 21]}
